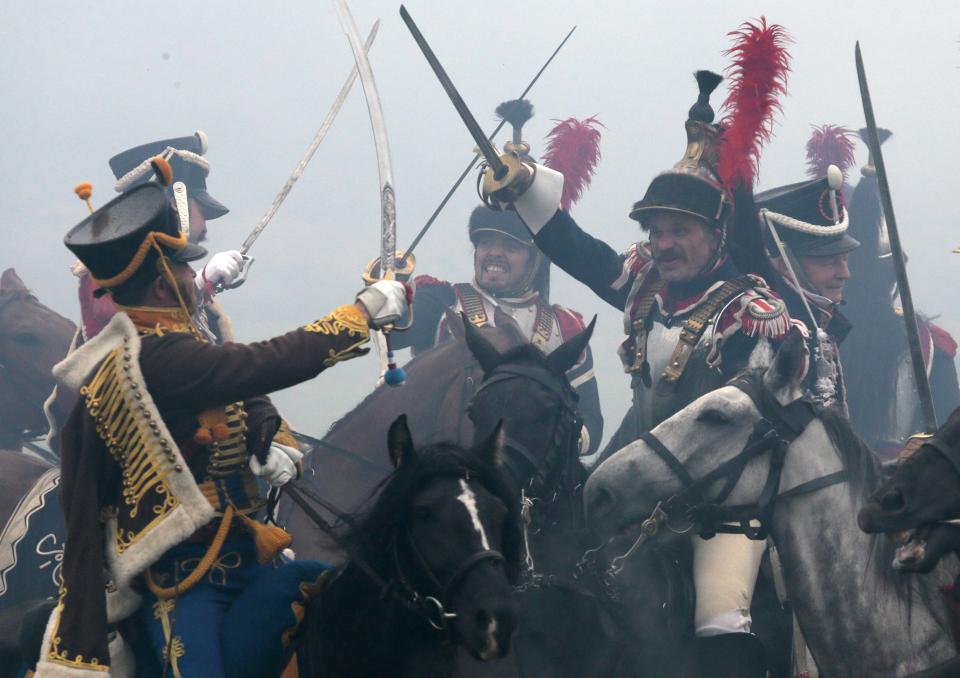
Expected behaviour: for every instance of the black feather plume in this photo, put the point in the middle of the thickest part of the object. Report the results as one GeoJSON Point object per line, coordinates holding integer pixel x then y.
{"type": "Point", "coordinates": [707, 81]}
{"type": "Point", "coordinates": [516, 112]}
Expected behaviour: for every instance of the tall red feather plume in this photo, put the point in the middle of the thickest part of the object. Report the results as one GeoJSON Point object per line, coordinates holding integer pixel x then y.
{"type": "Point", "coordinates": [830, 145]}
{"type": "Point", "coordinates": [573, 149]}
{"type": "Point", "coordinates": [757, 76]}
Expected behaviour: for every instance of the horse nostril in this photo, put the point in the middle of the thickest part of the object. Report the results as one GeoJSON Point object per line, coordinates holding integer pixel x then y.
{"type": "Point", "coordinates": [601, 503]}
{"type": "Point", "coordinates": [892, 501]}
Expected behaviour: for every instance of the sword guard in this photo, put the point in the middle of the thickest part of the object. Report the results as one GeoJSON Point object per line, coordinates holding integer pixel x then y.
{"type": "Point", "coordinates": [500, 192]}
{"type": "Point", "coordinates": [371, 272]}
{"type": "Point", "coordinates": [241, 277]}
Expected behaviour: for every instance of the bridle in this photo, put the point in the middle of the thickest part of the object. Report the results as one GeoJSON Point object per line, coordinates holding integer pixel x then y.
{"type": "Point", "coordinates": [532, 476]}
{"type": "Point", "coordinates": [773, 434]}
{"type": "Point", "coordinates": [525, 469]}
{"type": "Point", "coordinates": [435, 607]}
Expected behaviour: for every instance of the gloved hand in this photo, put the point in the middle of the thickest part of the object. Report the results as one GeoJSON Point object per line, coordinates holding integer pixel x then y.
{"type": "Point", "coordinates": [386, 301]}
{"type": "Point", "coordinates": [223, 268]}
{"type": "Point", "coordinates": [281, 466]}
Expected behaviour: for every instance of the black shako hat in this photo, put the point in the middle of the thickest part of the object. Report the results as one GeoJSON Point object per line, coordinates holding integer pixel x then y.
{"type": "Point", "coordinates": [803, 214]}
{"type": "Point", "coordinates": [691, 186]}
{"type": "Point", "coordinates": [186, 160]}
{"type": "Point", "coordinates": [113, 241]}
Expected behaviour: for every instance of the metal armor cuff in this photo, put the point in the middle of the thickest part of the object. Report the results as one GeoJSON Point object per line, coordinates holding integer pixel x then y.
{"type": "Point", "coordinates": [541, 201]}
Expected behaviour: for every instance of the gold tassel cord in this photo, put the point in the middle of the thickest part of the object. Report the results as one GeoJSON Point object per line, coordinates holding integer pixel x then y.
{"type": "Point", "coordinates": [270, 539]}
{"type": "Point", "coordinates": [168, 592]}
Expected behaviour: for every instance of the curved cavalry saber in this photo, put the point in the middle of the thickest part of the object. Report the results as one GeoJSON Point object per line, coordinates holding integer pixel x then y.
{"type": "Point", "coordinates": [477, 156]}
{"type": "Point", "coordinates": [388, 202]}
{"type": "Point", "coordinates": [301, 166]}
{"type": "Point", "coordinates": [903, 284]}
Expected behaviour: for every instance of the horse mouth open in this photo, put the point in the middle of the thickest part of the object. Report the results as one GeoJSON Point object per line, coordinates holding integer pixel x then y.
{"type": "Point", "coordinates": [921, 548]}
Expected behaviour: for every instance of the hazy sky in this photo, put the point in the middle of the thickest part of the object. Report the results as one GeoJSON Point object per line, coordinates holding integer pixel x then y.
{"type": "Point", "coordinates": [82, 81]}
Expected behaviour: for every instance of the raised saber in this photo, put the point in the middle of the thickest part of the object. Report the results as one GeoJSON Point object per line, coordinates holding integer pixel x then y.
{"type": "Point", "coordinates": [903, 284]}
{"type": "Point", "coordinates": [301, 166]}
{"type": "Point", "coordinates": [473, 161]}
{"type": "Point", "coordinates": [390, 373]}
{"type": "Point", "coordinates": [486, 148]}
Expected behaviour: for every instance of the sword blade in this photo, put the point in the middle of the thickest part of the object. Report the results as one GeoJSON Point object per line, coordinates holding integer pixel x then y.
{"type": "Point", "coordinates": [903, 283]}
{"type": "Point", "coordinates": [388, 203]}
{"type": "Point", "coordinates": [486, 148]}
{"type": "Point", "coordinates": [311, 149]}
{"type": "Point", "coordinates": [473, 161]}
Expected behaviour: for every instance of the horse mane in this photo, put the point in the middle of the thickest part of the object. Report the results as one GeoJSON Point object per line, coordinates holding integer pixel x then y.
{"type": "Point", "coordinates": [372, 531]}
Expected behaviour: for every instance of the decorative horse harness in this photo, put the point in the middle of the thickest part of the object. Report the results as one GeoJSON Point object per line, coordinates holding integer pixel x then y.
{"type": "Point", "coordinates": [778, 427]}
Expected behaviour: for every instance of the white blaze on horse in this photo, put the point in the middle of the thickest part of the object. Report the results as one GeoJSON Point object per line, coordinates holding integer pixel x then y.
{"type": "Point", "coordinates": [858, 615]}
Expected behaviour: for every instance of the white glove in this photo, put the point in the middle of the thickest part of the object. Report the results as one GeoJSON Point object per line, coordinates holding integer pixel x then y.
{"type": "Point", "coordinates": [281, 466]}
{"type": "Point", "coordinates": [386, 301]}
{"type": "Point", "coordinates": [223, 267]}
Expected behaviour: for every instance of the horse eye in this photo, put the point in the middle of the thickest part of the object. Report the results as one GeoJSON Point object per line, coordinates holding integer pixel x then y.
{"type": "Point", "coordinates": [422, 513]}
{"type": "Point", "coordinates": [713, 417]}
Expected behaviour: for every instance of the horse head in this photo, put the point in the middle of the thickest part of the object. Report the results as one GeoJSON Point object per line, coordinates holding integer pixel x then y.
{"type": "Point", "coordinates": [444, 524]}
{"type": "Point", "coordinates": [33, 338]}
{"type": "Point", "coordinates": [528, 393]}
{"type": "Point", "coordinates": [624, 490]}
{"type": "Point", "coordinates": [919, 499]}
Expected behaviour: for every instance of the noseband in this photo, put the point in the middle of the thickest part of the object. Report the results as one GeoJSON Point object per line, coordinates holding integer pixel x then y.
{"type": "Point", "coordinates": [432, 608]}
{"type": "Point", "coordinates": [520, 461]}
{"type": "Point", "coordinates": [778, 427]}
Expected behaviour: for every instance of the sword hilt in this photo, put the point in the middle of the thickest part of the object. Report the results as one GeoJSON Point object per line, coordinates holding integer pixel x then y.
{"type": "Point", "coordinates": [500, 192]}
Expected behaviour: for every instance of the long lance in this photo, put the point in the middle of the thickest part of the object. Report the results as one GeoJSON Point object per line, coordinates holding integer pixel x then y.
{"type": "Point", "coordinates": [476, 157]}
{"type": "Point", "coordinates": [301, 166]}
{"type": "Point", "coordinates": [390, 373]}
{"type": "Point", "coordinates": [903, 284]}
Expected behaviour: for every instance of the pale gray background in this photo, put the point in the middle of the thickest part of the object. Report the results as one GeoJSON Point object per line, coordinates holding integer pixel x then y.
{"type": "Point", "coordinates": [81, 81]}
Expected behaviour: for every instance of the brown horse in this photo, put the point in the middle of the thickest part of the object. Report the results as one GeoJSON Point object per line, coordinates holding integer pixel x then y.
{"type": "Point", "coordinates": [346, 464]}
{"type": "Point", "coordinates": [33, 338]}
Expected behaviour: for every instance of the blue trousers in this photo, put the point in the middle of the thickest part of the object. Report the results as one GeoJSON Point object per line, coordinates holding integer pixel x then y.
{"type": "Point", "coordinates": [236, 621]}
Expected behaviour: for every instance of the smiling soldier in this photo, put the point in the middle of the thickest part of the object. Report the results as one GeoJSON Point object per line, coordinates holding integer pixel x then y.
{"type": "Point", "coordinates": [512, 275]}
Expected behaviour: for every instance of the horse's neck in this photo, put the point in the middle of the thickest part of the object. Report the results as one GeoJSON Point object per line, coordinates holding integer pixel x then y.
{"type": "Point", "coordinates": [372, 635]}
{"type": "Point", "coordinates": [854, 619]}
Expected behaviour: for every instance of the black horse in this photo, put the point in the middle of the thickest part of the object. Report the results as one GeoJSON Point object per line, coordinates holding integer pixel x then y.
{"type": "Point", "coordinates": [569, 623]}
{"type": "Point", "coordinates": [431, 566]}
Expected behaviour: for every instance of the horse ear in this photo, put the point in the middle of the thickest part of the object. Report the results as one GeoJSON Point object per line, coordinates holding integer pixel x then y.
{"type": "Point", "coordinates": [486, 353]}
{"type": "Point", "coordinates": [568, 353]}
{"type": "Point", "coordinates": [505, 321]}
{"type": "Point", "coordinates": [492, 447]}
{"type": "Point", "coordinates": [454, 323]}
{"type": "Point", "coordinates": [400, 442]}
{"type": "Point", "coordinates": [788, 363]}
{"type": "Point", "coordinates": [10, 282]}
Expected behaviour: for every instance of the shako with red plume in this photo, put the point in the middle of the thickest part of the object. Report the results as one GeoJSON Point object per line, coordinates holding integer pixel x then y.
{"type": "Point", "coordinates": [573, 149]}
{"type": "Point", "coordinates": [830, 145]}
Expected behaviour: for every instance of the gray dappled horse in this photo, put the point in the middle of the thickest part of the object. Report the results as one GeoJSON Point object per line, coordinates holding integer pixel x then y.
{"type": "Point", "coordinates": [859, 617]}
{"type": "Point", "coordinates": [32, 339]}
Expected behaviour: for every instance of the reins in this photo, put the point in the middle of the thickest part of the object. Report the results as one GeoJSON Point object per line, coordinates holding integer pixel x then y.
{"type": "Point", "coordinates": [778, 427]}
{"type": "Point", "coordinates": [432, 608]}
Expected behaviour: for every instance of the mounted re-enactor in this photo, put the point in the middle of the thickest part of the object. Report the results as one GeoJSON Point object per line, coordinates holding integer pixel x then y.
{"type": "Point", "coordinates": [512, 275]}
{"type": "Point", "coordinates": [807, 227]}
{"type": "Point", "coordinates": [190, 167]}
{"type": "Point", "coordinates": [160, 458]}
{"type": "Point", "coordinates": [881, 389]}
{"type": "Point", "coordinates": [693, 306]}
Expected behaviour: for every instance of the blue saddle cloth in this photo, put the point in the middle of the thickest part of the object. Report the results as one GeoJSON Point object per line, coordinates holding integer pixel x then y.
{"type": "Point", "coordinates": [31, 544]}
